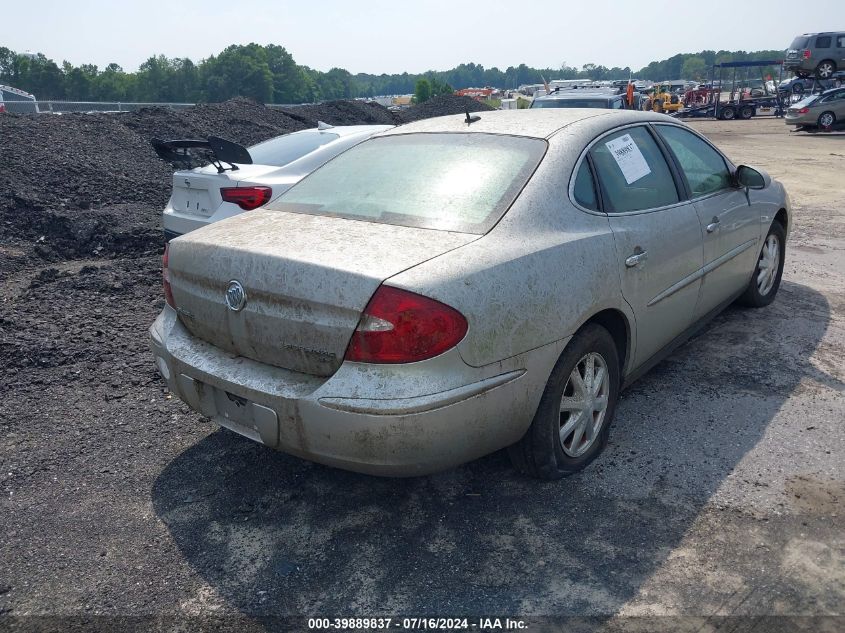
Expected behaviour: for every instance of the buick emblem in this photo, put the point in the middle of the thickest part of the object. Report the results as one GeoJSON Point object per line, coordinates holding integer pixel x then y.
{"type": "Point", "coordinates": [235, 296]}
{"type": "Point", "coordinates": [187, 183]}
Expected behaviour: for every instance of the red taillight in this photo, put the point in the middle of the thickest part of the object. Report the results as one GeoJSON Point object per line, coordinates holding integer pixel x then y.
{"type": "Point", "coordinates": [804, 111]}
{"type": "Point", "coordinates": [807, 54]}
{"type": "Point", "coordinates": [165, 274]}
{"type": "Point", "coordinates": [247, 198]}
{"type": "Point", "coordinates": [403, 327]}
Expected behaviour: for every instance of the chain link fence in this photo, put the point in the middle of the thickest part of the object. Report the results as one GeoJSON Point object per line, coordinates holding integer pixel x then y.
{"type": "Point", "coordinates": [90, 107]}
{"type": "Point", "coordinates": [66, 107]}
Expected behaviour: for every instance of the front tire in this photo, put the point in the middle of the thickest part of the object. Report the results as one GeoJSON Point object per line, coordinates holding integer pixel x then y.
{"type": "Point", "coordinates": [746, 112]}
{"type": "Point", "coordinates": [765, 281]}
{"type": "Point", "coordinates": [572, 422]}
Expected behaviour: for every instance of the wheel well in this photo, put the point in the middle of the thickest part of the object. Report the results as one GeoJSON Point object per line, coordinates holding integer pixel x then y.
{"type": "Point", "coordinates": [615, 323]}
{"type": "Point", "coordinates": [781, 217]}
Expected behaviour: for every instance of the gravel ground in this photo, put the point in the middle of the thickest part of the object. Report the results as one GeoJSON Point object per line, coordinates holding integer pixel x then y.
{"type": "Point", "coordinates": [718, 503]}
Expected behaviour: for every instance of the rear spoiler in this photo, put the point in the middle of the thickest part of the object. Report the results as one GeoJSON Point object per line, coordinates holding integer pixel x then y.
{"type": "Point", "coordinates": [217, 150]}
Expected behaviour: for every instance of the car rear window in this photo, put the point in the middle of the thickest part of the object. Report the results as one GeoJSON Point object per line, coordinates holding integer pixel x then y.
{"type": "Point", "coordinates": [285, 149]}
{"type": "Point", "coordinates": [806, 101]}
{"type": "Point", "coordinates": [450, 182]}
{"type": "Point", "coordinates": [799, 43]}
{"type": "Point", "coordinates": [570, 103]}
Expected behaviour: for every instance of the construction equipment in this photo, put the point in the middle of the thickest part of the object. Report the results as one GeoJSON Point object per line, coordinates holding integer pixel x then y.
{"type": "Point", "coordinates": [662, 99]}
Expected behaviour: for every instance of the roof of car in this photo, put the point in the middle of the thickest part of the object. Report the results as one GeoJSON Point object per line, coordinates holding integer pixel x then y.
{"type": "Point", "coordinates": [538, 123]}
{"type": "Point", "coordinates": [581, 94]}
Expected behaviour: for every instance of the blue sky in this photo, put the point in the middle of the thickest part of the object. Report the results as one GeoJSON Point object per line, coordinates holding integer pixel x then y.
{"type": "Point", "coordinates": [393, 36]}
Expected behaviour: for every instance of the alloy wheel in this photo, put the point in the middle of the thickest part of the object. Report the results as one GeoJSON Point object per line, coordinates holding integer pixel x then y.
{"type": "Point", "coordinates": [826, 119]}
{"type": "Point", "coordinates": [825, 70]}
{"type": "Point", "coordinates": [767, 266]}
{"type": "Point", "coordinates": [584, 405]}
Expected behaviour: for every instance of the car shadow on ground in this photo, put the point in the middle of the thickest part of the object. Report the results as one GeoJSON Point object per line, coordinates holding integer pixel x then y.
{"type": "Point", "coordinates": [275, 535]}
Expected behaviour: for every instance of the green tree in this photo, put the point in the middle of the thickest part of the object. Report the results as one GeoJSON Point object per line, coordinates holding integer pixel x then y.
{"type": "Point", "coordinates": [422, 91]}
{"type": "Point", "coordinates": [239, 71]}
{"type": "Point", "coordinates": [694, 68]}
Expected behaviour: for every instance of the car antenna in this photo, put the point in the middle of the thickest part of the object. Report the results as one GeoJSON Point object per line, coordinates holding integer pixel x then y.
{"type": "Point", "coordinates": [471, 119]}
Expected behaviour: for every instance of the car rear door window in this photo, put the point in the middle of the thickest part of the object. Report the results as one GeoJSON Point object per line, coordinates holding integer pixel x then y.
{"type": "Point", "coordinates": [633, 172]}
{"type": "Point", "coordinates": [823, 41]}
{"type": "Point", "coordinates": [840, 41]}
{"type": "Point", "coordinates": [705, 169]}
{"type": "Point", "coordinates": [584, 189]}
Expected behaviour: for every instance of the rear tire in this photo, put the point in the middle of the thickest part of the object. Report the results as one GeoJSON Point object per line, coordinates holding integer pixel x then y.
{"type": "Point", "coordinates": [763, 287]}
{"type": "Point", "coordinates": [746, 112]}
{"type": "Point", "coordinates": [825, 69]}
{"type": "Point", "coordinates": [826, 120]}
{"type": "Point", "coordinates": [727, 113]}
{"type": "Point", "coordinates": [570, 427]}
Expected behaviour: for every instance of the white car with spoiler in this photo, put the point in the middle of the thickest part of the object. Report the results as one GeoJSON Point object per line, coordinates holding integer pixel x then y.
{"type": "Point", "coordinates": [242, 179]}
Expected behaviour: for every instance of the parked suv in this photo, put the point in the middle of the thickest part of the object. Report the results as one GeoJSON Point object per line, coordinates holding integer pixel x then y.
{"type": "Point", "coordinates": [580, 99]}
{"type": "Point", "coordinates": [816, 53]}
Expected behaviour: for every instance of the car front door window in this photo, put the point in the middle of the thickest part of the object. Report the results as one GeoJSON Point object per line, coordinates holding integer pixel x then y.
{"type": "Point", "coordinates": [703, 167]}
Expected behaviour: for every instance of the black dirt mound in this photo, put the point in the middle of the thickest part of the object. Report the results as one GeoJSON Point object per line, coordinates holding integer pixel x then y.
{"type": "Point", "coordinates": [241, 120]}
{"type": "Point", "coordinates": [441, 106]}
{"type": "Point", "coordinates": [348, 113]}
{"type": "Point", "coordinates": [90, 185]}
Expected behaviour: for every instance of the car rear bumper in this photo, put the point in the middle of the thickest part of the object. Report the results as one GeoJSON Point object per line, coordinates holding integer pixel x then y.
{"type": "Point", "coordinates": [798, 64]}
{"type": "Point", "coordinates": [176, 224]}
{"type": "Point", "coordinates": [801, 119]}
{"type": "Point", "coordinates": [403, 420]}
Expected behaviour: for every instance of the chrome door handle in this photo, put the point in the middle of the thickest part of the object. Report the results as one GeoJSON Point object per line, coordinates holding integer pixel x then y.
{"type": "Point", "coordinates": [713, 225]}
{"type": "Point", "coordinates": [636, 259]}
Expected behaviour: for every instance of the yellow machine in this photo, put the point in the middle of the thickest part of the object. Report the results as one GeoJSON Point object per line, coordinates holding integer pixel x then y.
{"type": "Point", "coordinates": [663, 100]}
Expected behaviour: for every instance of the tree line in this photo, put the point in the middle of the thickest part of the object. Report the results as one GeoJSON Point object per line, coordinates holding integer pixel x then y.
{"type": "Point", "coordinates": [269, 74]}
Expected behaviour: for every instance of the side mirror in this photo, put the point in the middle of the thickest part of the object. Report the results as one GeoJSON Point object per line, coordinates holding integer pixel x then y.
{"type": "Point", "coordinates": [750, 178]}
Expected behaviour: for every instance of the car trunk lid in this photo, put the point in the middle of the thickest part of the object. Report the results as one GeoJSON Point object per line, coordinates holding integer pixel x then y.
{"type": "Point", "coordinates": [197, 192]}
{"type": "Point", "coordinates": [306, 280]}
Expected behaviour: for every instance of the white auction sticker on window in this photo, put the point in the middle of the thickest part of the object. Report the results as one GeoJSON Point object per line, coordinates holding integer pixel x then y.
{"type": "Point", "coordinates": [629, 158]}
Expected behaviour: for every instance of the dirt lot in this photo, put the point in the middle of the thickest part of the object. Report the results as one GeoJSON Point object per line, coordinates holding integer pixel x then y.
{"type": "Point", "coordinates": [722, 493]}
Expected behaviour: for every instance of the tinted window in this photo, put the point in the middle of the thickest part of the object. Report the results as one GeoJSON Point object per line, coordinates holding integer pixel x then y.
{"type": "Point", "coordinates": [585, 189]}
{"type": "Point", "coordinates": [633, 173]}
{"type": "Point", "coordinates": [451, 182]}
{"type": "Point", "coordinates": [823, 41]}
{"type": "Point", "coordinates": [840, 41]}
{"type": "Point", "coordinates": [704, 167]}
{"type": "Point", "coordinates": [799, 43]}
{"type": "Point", "coordinates": [286, 149]}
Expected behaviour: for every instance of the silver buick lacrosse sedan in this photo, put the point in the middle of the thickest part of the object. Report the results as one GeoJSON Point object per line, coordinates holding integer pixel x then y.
{"type": "Point", "coordinates": [463, 284]}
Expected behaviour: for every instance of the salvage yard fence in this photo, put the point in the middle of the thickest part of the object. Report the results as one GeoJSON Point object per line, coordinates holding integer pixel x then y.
{"type": "Point", "coordinates": [91, 107]}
